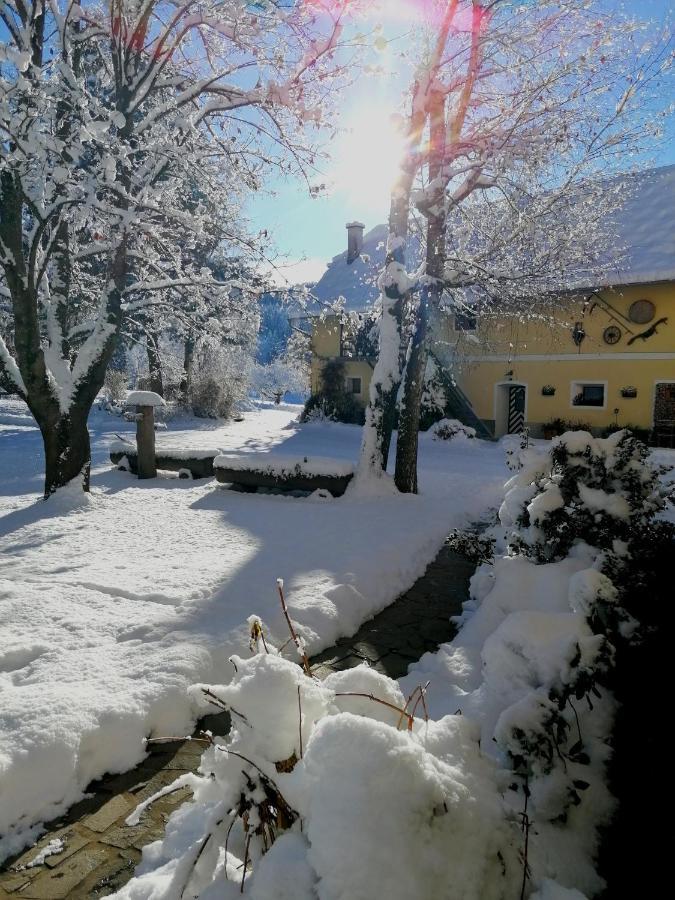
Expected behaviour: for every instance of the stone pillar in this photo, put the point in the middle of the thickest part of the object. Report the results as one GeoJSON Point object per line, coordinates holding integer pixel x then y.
{"type": "Point", "coordinates": [145, 441]}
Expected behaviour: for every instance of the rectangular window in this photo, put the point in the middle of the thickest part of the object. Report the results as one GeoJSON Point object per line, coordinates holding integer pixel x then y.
{"type": "Point", "coordinates": [465, 320]}
{"type": "Point", "coordinates": [588, 394]}
{"type": "Point", "coordinates": [353, 385]}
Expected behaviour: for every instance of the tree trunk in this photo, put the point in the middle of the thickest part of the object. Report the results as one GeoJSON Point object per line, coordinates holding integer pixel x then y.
{"type": "Point", "coordinates": [188, 356]}
{"type": "Point", "coordinates": [67, 450]}
{"type": "Point", "coordinates": [154, 362]}
{"type": "Point", "coordinates": [386, 380]}
{"type": "Point", "coordinates": [413, 380]}
{"type": "Point", "coordinates": [405, 476]}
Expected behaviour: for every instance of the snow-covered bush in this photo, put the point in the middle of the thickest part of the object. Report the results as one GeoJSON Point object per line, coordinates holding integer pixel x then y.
{"type": "Point", "coordinates": [586, 500]}
{"type": "Point", "coordinates": [321, 792]}
{"type": "Point", "coordinates": [601, 491]}
{"type": "Point", "coordinates": [333, 400]}
{"type": "Point", "coordinates": [471, 545]}
{"type": "Point", "coordinates": [115, 386]}
{"type": "Point", "coordinates": [219, 379]}
{"type": "Point", "coordinates": [447, 429]}
{"type": "Point", "coordinates": [318, 411]}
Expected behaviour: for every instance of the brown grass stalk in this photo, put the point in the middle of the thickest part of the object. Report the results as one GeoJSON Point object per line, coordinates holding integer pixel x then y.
{"type": "Point", "coordinates": [403, 712]}
{"type": "Point", "coordinates": [291, 628]}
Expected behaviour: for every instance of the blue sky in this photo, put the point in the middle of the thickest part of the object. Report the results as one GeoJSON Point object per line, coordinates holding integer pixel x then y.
{"type": "Point", "coordinates": [314, 229]}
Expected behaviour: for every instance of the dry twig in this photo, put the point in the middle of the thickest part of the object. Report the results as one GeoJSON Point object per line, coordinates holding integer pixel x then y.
{"type": "Point", "coordinates": [300, 720]}
{"type": "Point", "coordinates": [403, 712]}
{"type": "Point", "coordinates": [294, 635]}
{"type": "Point", "coordinates": [217, 701]}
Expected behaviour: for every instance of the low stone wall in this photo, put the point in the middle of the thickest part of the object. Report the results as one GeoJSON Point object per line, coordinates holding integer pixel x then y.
{"type": "Point", "coordinates": [250, 479]}
{"type": "Point", "coordinates": [199, 467]}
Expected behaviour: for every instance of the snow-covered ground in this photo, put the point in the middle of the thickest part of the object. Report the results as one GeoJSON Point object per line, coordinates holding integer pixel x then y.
{"type": "Point", "coordinates": [112, 605]}
{"type": "Point", "coordinates": [500, 793]}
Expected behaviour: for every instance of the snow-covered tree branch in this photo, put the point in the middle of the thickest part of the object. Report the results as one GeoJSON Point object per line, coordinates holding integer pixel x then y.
{"type": "Point", "coordinates": [124, 125]}
{"type": "Point", "coordinates": [531, 109]}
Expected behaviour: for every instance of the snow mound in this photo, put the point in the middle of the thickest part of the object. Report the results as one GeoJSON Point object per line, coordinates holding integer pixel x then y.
{"type": "Point", "coordinates": [379, 812]}
{"type": "Point", "coordinates": [447, 429]}
{"type": "Point", "coordinates": [387, 817]}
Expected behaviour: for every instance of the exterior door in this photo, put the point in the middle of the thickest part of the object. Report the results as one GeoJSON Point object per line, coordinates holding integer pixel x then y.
{"type": "Point", "coordinates": [664, 414]}
{"type": "Point", "coordinates": [516, 418]}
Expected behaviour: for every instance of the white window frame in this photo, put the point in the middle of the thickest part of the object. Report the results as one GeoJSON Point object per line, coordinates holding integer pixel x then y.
{"type": "Point", "coordinates": [575, 388]}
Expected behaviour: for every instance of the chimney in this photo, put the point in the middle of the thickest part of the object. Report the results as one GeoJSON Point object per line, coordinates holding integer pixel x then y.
{"type": "Point", "coordinates": [354, 240]}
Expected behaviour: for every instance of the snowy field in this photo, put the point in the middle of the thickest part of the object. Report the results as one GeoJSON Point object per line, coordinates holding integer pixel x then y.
{"type": "Point", "coordinates": [112, 605]}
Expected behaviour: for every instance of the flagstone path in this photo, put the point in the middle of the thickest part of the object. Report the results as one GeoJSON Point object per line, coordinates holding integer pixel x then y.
{"type": "Point", "coordinates": [100, 852]}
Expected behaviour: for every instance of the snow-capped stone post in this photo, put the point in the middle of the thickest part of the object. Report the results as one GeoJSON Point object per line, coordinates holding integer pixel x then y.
{"type": "Point", "coordinates": [145, 403]}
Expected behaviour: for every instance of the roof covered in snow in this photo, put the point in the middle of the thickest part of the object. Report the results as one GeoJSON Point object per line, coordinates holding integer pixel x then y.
{"type": "Point", "coordinates": [643, 232]}
{"type": "Point", "coordinates": [645, 229]}
{"type": "Point", "coordinates": [355, 281]}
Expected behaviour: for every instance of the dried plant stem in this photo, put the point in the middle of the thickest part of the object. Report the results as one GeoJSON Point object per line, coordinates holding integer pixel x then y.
{"type": "Point", "coordinates": [422, 699]}
{"type": "Point", "coordinates": [526, 831]}
{"type": "Point", "coordinates": [243, 874]}
{"type": "Point", "coordinates": [216, 700]}
{"type": "Point", "coordinates": [198, 855]}
{"type": "Point", "coordinates": [227, 841]}
{"type": "Point", "coordinates": [405, 708]}
{"type": "Point", "coordinates": [256, 634]}
{"type": "Point", "coordinates": [294, 635]}
{"type": "Point", "coordinates": [403, 712]}
{"type": "Point", "coordinates": [175, 738]}
{"type": "Point", "coordinates": [300, 720]}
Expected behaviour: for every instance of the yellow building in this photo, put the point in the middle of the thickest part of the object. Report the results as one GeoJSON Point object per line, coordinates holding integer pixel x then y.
{"type": "Point", "coordinates": [604, 356]}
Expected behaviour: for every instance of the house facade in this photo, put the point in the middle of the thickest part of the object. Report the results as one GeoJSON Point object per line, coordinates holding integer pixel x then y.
{"type": "Point", "coordinates": [604, 354]}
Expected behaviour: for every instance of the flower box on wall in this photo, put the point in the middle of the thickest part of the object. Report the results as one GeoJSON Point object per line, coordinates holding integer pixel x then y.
{"type": "Point", "coordinates": [629, 392]}
{"type": "Point", "coordinates": [548, 390]}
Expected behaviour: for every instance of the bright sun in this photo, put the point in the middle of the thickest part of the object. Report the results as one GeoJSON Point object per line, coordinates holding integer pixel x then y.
{"type": "Point", "coordinates": [367, 158]}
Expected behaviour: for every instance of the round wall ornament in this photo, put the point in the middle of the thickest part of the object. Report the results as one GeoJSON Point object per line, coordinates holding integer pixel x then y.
{"type": "Point", "coordinates": [641, 312]}
{"type": "Point", "coordinates": [611, 334]}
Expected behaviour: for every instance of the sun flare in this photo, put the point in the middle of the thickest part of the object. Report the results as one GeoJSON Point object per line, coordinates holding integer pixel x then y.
{"type": "Point", "coordinates": [367, 159]}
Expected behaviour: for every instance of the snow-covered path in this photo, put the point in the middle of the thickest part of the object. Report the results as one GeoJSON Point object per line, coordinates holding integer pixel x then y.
{"type": "Point", "coordinates": [111, 606]}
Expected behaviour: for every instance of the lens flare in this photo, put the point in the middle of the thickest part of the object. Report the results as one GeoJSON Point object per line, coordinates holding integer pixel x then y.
{"type": "Point", "coordinates": [367, 160]}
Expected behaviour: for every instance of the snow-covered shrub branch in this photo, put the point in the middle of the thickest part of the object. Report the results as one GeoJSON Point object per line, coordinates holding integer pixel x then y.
{"type": "Point", "coordinates": [447, 429]}
{"type": "Point", "coordinates": [219, 378]}
{"type": "Point", "coordinates": [587, 500]}
{"type": "Point", "coordinates": [319, 793]}
{"type": "Point", "coordinates": [602, 491]}
{"type": "Point", "coordinates": [472, 545]}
